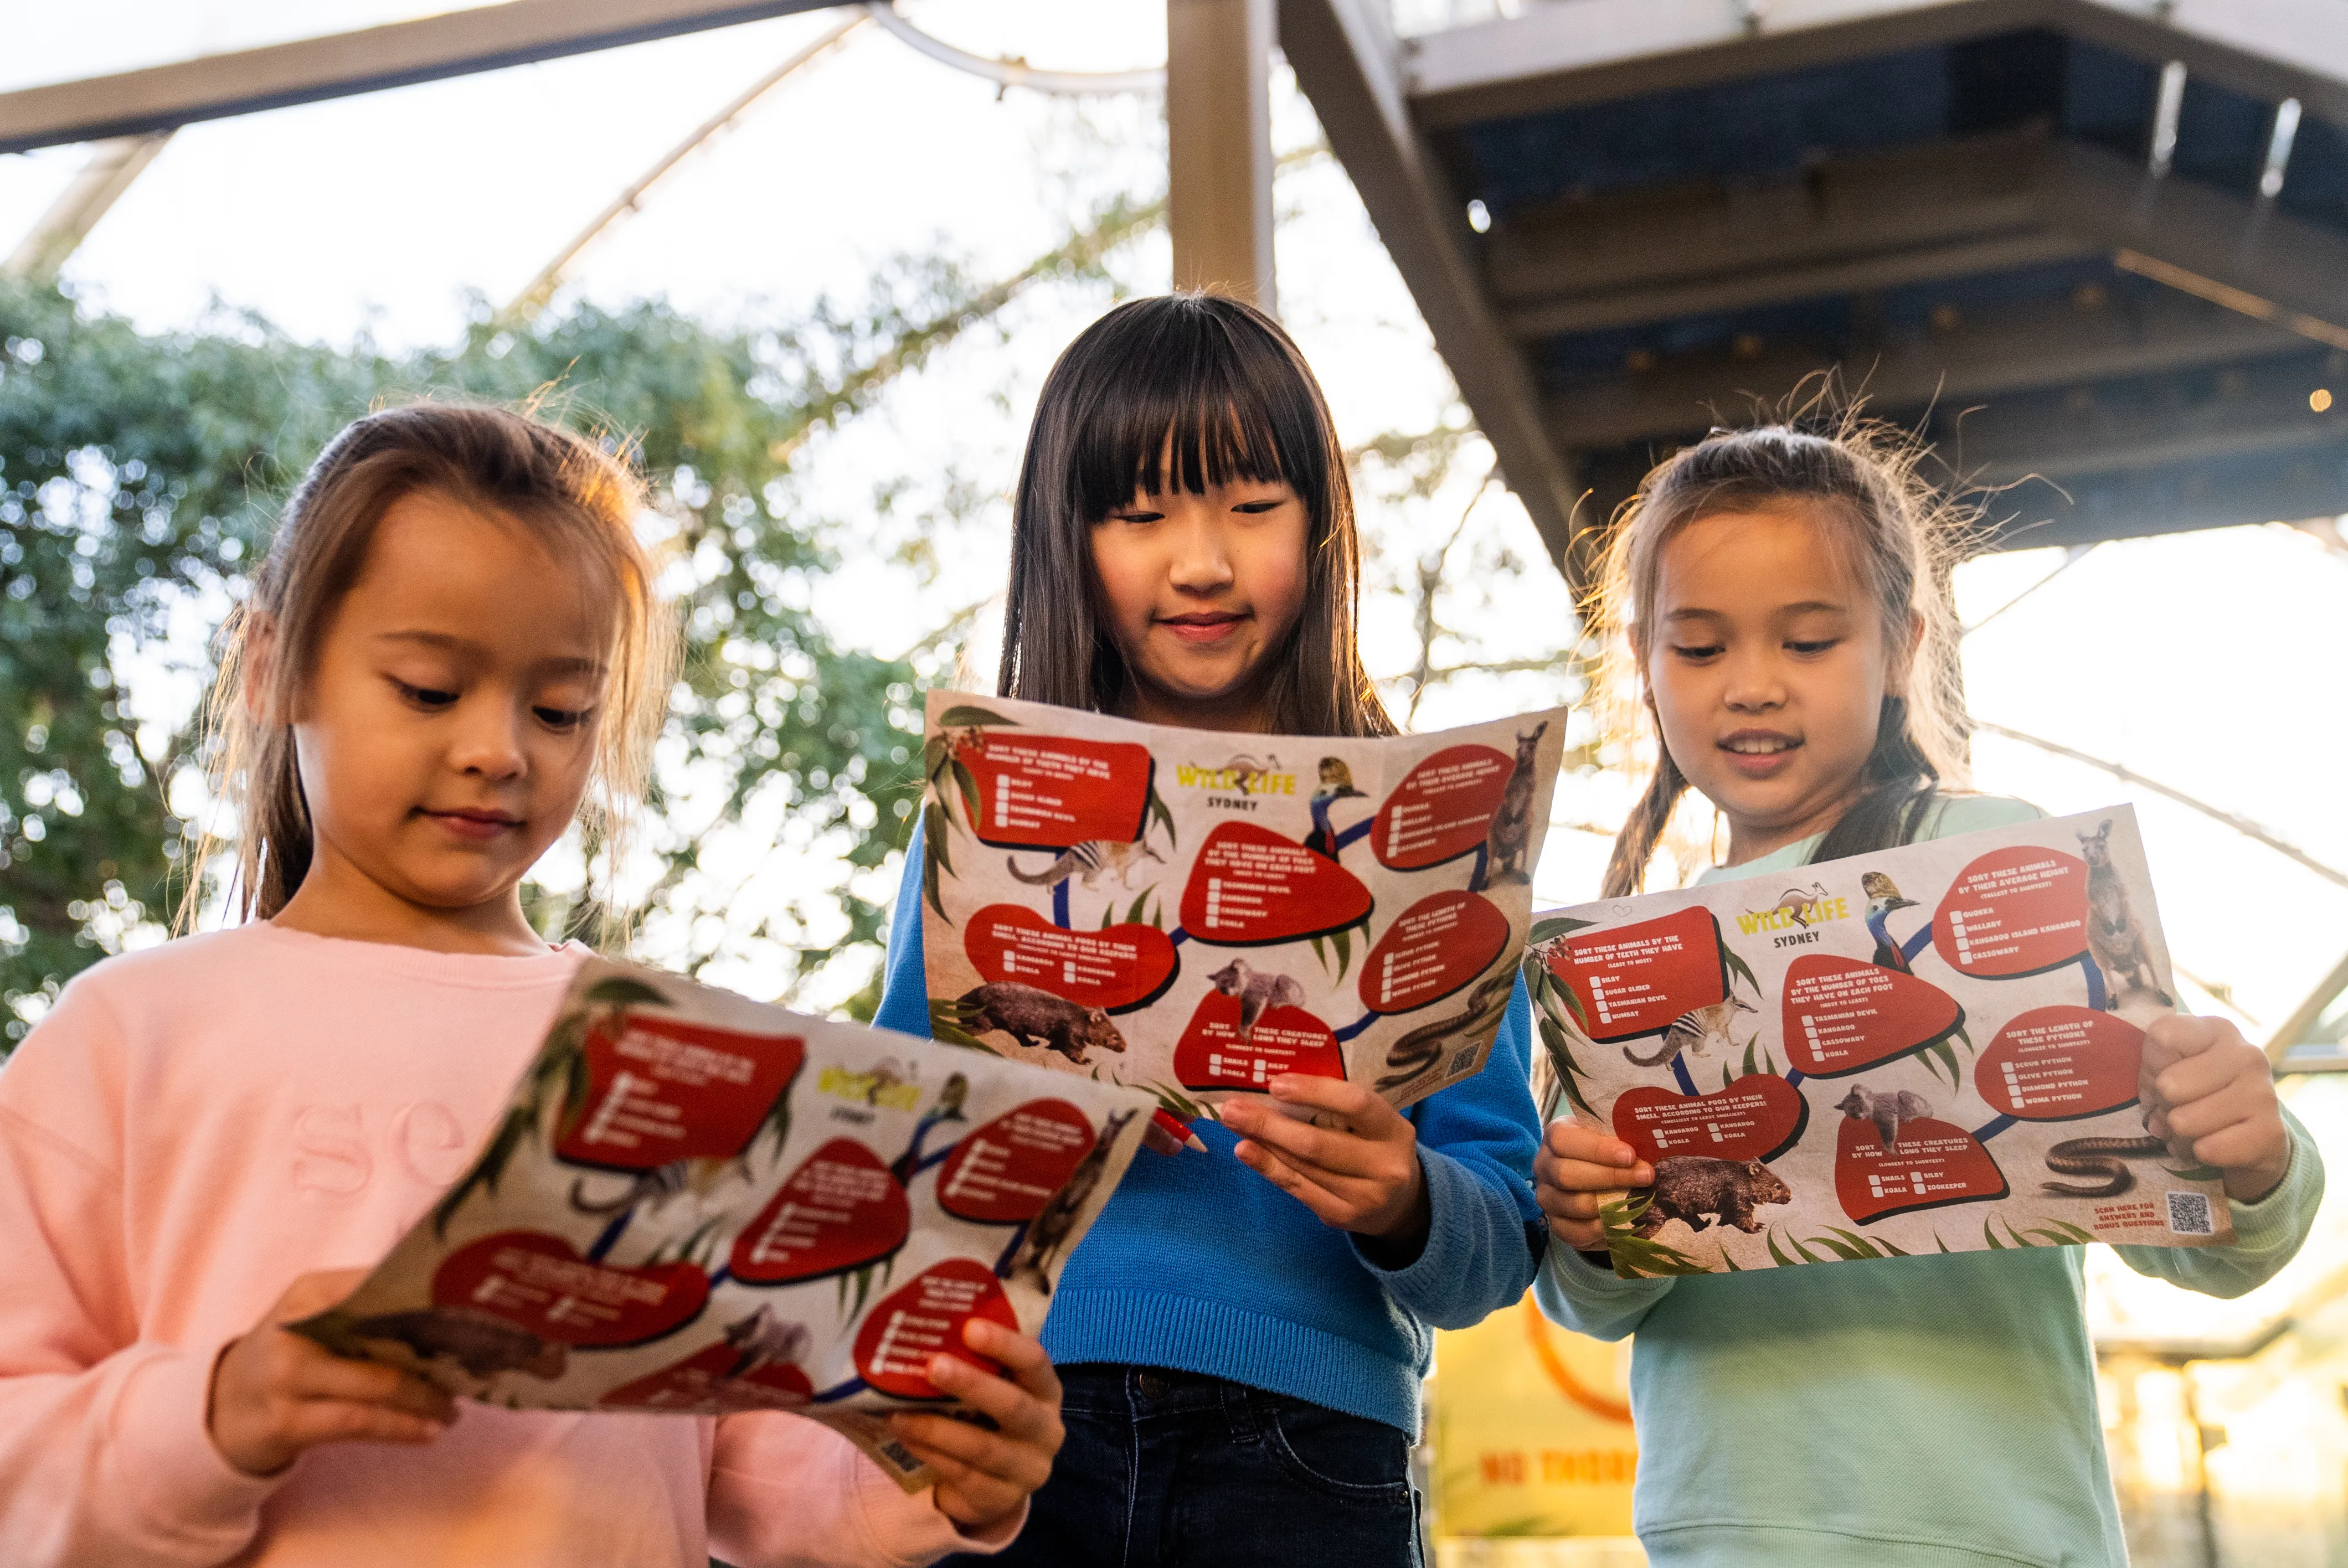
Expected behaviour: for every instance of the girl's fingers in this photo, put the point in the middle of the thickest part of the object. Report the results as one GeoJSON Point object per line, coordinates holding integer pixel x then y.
{"type": "Point", "coordinates": [317, 1373]}
{"type": "Point", "coordinates": [1029, 1364]}
{"type": "Point", "coordinates": [1570, 1140]}
{"type": "Point", "coordinates": [975, 1452]}
{"type": "Point", "coordinates": [1565, 1206]}
{"type": "Point", "coordinates": [1583, 1176]}
{"type": "Point", "coordinates": [311, 1421]}
{"type": "Point", "coordinates": [2242, 1101]}
{"type": "Point", "coordinates": [1327, 1206]}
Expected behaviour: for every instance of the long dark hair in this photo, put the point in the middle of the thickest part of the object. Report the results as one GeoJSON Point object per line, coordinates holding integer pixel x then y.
{"type": "Point", "coordinates": [1898, 536]}
{"type": "Point", "coordinates": [1185, 391]}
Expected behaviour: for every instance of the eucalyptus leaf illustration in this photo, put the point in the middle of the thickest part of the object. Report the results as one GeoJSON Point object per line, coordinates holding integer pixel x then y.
{"type": "Point", "coordinates": [967, 716]}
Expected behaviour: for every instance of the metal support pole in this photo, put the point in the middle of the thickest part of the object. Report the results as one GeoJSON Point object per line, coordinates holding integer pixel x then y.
{"type": "Point", "coordinates": [1219, 146]}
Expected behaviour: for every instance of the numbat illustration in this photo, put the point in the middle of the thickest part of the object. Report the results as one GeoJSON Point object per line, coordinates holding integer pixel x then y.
{"type": "Point", "coordinates": [1689, 1187]}
{"type": "Point", "coordinates": [2099, 1157]}
{"type": "Point", "coordinates": [1417, 1053]}
{"type": "Point", "coordinates": [1033, 1016]}
{"type": "Point", "coordinates": [762, 1340]}
{"type": "Point", "coordinates": [482, 1343]}
{"type": "Point", "coordinates": [2113, 938]}
{"type": "Point", "coordinates": [1889, 1112]}
{"type": "Point", "coordinates": [1698, 1030]}
{"type": "Point", "coordinates": [1087, 861]}
{"type": "Point", "coordinates": [1050, 1231]}
{"type": "Point", "coordinates": [1511, 833]}
{"type": "Point", "coordinates": [1256, 990]}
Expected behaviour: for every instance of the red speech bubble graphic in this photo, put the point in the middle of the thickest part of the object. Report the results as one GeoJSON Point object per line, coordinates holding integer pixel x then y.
{"type": "Point", "coordinates": [2060, 1064]}
{"type": "Point", "coordinates": [1250, 885]}
{"type": "Point", "coordinates": [1933, 1164]}
{"type": "Point", "coordinates": [539, 1282]}
{"type": "Point", "coordinates": [2016, 911]}
{"type": "Point", "coordinates": [1842, 1015]}
{"type": "Point", "coordinates": [705, 1380]}
{"type": "Point", "coordinates": [1443, 808]}
{"type": "Point", "coordinates": [1211, 1054]}
{"type": "Point", "coordinates": [910, 1326]}
{"type": "Point", "coordinates": [1757, 1117]}
{"type": "Point", "coordinates": [1050, 791]}
{"type": "Point", "coordinates": [1433, 949]}
{"type": "Point", "coordinates": [838, 1211]}
{"type": "Point", "coordinates": [1004, 1173]}
{"type": "Point", "coordinates": [1118, 969]}
{"type": "Point", "coordinates": [1638, 980]}
{"type": "Point", "coordinates": [659, 1089]}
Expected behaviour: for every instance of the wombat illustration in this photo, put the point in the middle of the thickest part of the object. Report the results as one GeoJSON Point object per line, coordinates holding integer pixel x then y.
{"type": "Point", "coordinates": [1689, 1186]}
{"type": "Point", "coordinates": [1511, 831]}
{"type": "Point", "coordinates": [1256, 991]}
{"type": "Point", "coordinates": [1888, 1111]}
{"type": "Point", "coordinates": [1033, 1016]}
{"type": "Point", "coordinates": [482, 1343]}
{"type": "Point", "coordinates": [2113, 938]}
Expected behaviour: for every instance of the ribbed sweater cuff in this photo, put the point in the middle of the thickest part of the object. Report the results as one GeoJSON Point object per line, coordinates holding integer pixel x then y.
{"type": "Point", "coordinates": [1185, 1334]}
{"type": "Point", "coordinates": [166, 1458]}
{"type": "Point", "coordinates": [2279, 1220]}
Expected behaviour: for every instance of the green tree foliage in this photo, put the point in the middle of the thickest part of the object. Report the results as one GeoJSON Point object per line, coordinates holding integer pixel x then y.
{"type": "Point", "coordinates": [139, 475]}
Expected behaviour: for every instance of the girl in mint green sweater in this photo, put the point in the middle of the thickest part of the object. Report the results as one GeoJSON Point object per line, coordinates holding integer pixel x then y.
{"type": "Point", "coordinates": [1783, 600]}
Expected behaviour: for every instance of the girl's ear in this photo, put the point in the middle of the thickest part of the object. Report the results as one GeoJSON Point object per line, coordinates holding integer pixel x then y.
{"type": "Point", "coordinates": [1903, 664]}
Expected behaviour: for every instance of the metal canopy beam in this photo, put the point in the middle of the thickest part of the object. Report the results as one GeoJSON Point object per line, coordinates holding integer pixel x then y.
{"type": "Point", "coordinates": [486, 38]}
{"type": "Point", "coordinates": [1218, 147]}
{"type": "Point", "coordinates": [1348, 63]}
{"type": "Point", "coordinates": [1596, 50]}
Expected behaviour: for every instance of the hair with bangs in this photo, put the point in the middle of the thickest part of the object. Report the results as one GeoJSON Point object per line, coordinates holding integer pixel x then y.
{"type": "Point", "coordinates": [556, 486]}
{"type": "Point", "coordinates": [1897, 535]}
{"type": "Point", "coordinates": [1188, 392]}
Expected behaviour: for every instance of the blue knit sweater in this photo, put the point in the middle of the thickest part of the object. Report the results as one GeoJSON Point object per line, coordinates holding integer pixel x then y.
{"type": "Point", "coordinates": [1200, 1264]}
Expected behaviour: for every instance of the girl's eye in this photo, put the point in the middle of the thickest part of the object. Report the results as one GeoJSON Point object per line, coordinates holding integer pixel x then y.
{"type": "Point", "coordinates": [561, 718]}
{"type": "Point", "coordinates": [1811, 650]}
{"type": "Point", "coordinates": [425, 696]}
{"type": "Point", "coordinates": [1697, 653]}
{"type": "Point", "coordinates": [1136, 516]}
{"type": "Point", "coordinates": [1256, 509]}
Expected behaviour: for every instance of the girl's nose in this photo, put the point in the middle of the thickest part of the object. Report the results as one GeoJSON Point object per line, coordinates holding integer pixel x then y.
{"type": "Point", "coordinates": [1202, 563]}
{"type": "Point", "coordinates": [1753, 684]}
{"type": "Point", "coordinates": [489, 741]}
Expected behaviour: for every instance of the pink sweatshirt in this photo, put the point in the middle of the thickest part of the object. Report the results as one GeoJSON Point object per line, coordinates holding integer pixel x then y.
{"type": "Point", "coordinates": [192, 1127]}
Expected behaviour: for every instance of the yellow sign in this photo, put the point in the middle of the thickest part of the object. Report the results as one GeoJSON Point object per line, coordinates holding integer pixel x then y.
{"type": "Point", "coordinates": [1532, 1429]}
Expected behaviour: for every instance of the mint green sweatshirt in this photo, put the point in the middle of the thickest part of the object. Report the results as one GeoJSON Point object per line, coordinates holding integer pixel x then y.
{"type": "Point", "coordinates": [1934, 1412]}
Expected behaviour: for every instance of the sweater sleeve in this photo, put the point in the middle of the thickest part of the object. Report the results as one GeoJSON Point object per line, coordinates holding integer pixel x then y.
{"type": "Point", "coordinates": [788, 1492]}
{"type": "Point", "coordinates": [1587, 1297]}
{"type": "Point", "coordinates": [904, 986]}
{"type": "Point", "coordinates": [104, 1453]}
{"type": "Point", "coordinates": [2267, 1234]}
{"type": "Point", "coordinates": [1485, 1237]}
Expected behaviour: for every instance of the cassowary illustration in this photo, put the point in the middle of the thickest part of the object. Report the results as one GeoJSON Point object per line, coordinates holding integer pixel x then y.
{"type": "Point", "coordinates": [1883, 898]}
{"type": "Point", "coordinates": [1337, 784]}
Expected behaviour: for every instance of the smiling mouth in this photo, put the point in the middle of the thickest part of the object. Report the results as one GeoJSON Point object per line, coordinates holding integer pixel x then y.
{"type": "Point", "coordinates": [1202, 626]}
{"type": "Point", "coordinates": [1759, 745]}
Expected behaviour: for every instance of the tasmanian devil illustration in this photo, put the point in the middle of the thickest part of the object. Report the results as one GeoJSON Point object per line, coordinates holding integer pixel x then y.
{"type": "Point", "coordinates": [1050, 1231]}
{"type": "Point", "coordinates": [1888, 1111]}
{"type": "Point", "coordinates": [1697, 1030]}
{"type": "Point", "coordinates": [1257, 992]}
{"type": "Point", "coordinates": [1511, 832]}
{"type": "Point", "coordinates": [1689, 1186]}
{"type": "Point", "coordinates": [1033, 1016]}
{"type": "Point", "coordinates": [2113, 937]}
{"type": "Point", "coordinates": [482, 1343]}
{"type": "Point", "coordinates": [762, 1340]}
{"type": "Point", "coordinates": [1087, 861]}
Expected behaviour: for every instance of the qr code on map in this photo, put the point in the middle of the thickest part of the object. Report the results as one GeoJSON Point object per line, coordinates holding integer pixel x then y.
{"type": "Point", "coordinates": [1461, 1061]}
{"type": "Point", "coordinates": [2188, 1214]}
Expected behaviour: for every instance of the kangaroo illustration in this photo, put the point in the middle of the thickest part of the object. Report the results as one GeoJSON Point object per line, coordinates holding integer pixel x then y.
{"type": "Point", "coordinates": [2114, 939]}
{"type": "Point", "coordinates": [1511, 833]}
{"type": "Point", "coordinates": [1795, 904]}
{"type": "Point", "coordinates": [1889, 1112]}
{"type": "Point", "coordinates": [1696, 1031]}
{"type": "Point", "coordinates": [1256, 990]}
{"type": "Point", "coordinates": [1087, 861]}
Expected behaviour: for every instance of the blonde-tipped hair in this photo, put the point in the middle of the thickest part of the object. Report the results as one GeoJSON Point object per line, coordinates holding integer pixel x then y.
{"type": "Point", "coordinates": [563, 489]}
{"type": "Point", "coordinates": [1898, 535]}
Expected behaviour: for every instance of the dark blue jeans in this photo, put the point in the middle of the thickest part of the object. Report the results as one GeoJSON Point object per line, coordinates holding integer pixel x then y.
{"type": "Point", "coordinates": [1170, 1469]}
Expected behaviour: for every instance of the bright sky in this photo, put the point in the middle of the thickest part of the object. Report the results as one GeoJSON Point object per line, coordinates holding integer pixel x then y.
{"type": "Point", "coordinates": [2210, 662]}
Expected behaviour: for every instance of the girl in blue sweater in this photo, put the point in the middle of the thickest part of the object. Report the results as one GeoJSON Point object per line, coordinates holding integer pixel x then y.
{"type": "Point", "coordinates": [1242, 1333]}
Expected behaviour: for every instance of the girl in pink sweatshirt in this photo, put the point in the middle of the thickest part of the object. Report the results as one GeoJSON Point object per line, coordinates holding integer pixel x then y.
{"type": "Point", "coordinates": [454, 638]}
